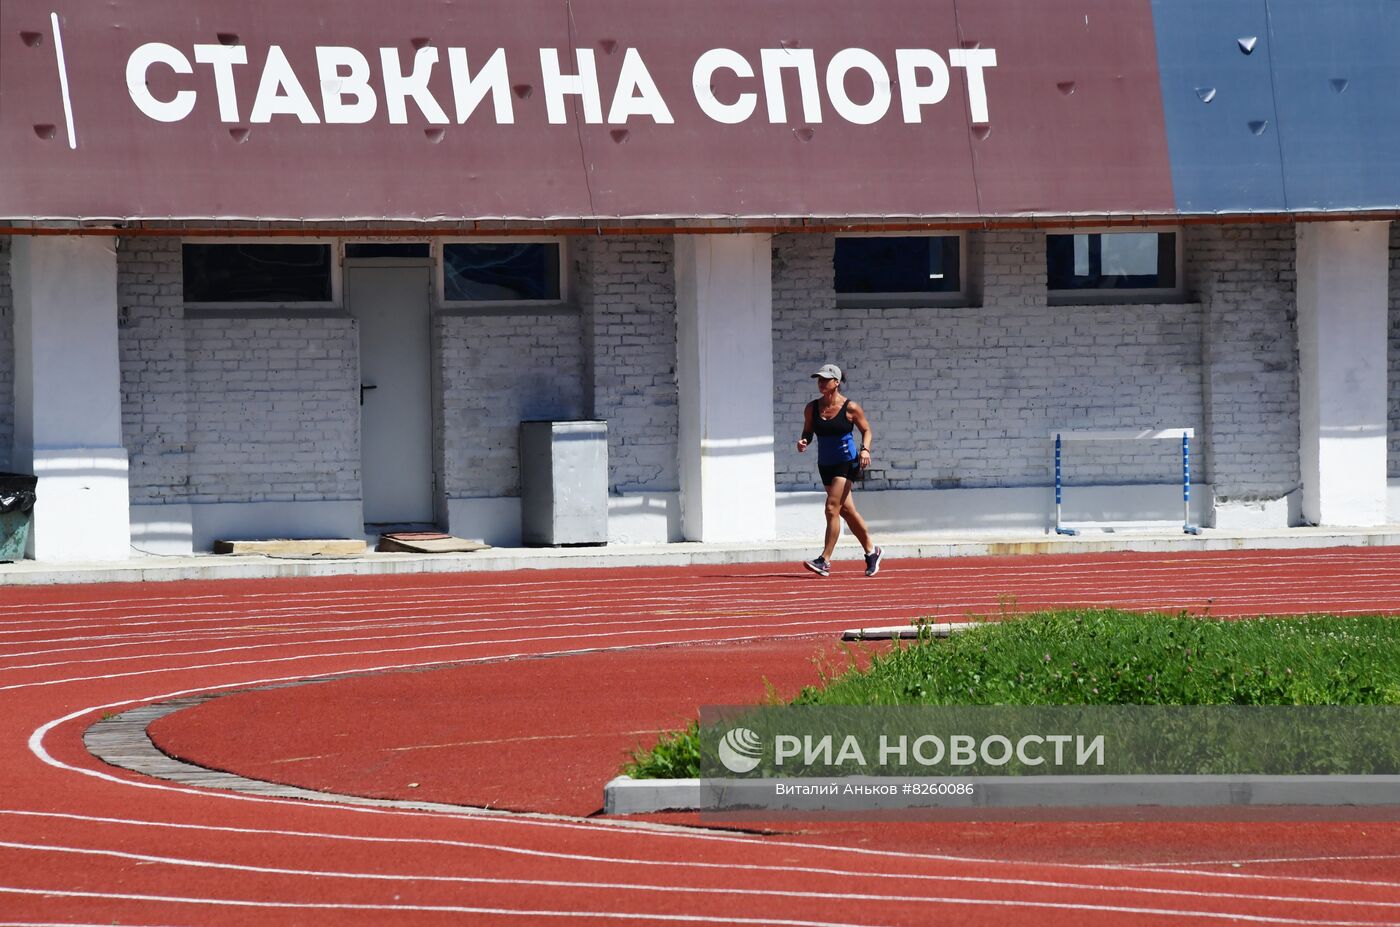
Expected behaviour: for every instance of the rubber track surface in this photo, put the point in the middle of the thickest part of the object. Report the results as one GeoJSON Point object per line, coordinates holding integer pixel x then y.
{"type": "Point", "coordinates": [82, 842]}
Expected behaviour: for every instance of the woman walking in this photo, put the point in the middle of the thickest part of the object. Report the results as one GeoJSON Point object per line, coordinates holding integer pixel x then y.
{"type": "Point", "coordinates": [833, 419]}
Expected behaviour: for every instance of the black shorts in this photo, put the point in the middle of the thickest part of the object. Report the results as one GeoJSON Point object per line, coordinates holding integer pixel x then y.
{"type": "Point", "coordinates": [850, 469]}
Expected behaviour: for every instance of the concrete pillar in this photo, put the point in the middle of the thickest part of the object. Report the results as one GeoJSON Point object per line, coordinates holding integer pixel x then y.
{"type": "Point", "coordinates": [1343, 277]}
{"type": "Point", "coordinates": [68, 414]}
{"type": "Point", "coordinates": [724, 368]}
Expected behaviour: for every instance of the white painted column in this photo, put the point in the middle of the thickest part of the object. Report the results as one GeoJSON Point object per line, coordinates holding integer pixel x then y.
{"type": "Point", "coordinates": [1343, 278]}
{"type": "Point", "coordinates": [68, 415]}
{"type": "Point", "coordinates": [724, 365]}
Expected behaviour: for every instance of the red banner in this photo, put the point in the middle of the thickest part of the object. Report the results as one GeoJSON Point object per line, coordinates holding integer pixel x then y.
{"type": "Point", "coordinates": [586, 109]}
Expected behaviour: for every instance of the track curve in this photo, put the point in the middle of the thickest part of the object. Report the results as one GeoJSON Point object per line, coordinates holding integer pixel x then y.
{"type": "Point", "coordinates": [81, 841]}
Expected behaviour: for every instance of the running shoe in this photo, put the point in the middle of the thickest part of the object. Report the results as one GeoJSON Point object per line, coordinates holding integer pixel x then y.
{"type": "Point", "coordinates": [818, 565]}
{"type": "Point", "coordinates": [872, 561]}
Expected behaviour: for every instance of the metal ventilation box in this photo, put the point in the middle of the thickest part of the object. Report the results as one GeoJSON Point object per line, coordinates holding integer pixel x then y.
{"type": "Point", "coordinates": [564, 483]}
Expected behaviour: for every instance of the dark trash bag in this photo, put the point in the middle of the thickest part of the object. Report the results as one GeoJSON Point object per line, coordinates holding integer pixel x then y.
{"type": "Point", "coordinates": [17, 492]}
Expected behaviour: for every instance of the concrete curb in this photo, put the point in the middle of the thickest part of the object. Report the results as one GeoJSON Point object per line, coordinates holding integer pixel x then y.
{"type": "Point", "coordinates": [625, 795]}
{"type": "Point", "coordinates": [208, 566]}
{"type": "Point", "coordinates": [938, 629]}
{"type": "Point", "coordinates": [123, 741]}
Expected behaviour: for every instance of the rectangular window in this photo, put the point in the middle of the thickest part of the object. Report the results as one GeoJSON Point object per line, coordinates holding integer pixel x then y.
{"type": "Point", "coordinates": [389, 249]}
{"type": "Point", "coordinates": [485, 273]}
{"type": "Point", "coordinates": [1112, 266]}
{"type": "Point", "coordinates": [258, 273]}
{"type": "Point", "coordinates": [906, 269]}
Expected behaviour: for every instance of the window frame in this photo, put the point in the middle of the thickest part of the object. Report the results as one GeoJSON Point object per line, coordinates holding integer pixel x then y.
{"type": "Point", "coordinates": [405, 259]}
{"type": "Point", "coordinates": [1122, 297]}
{"type": "Point", "coordinates": [499, 306]}
{"type": "Point", "coordinates": [910, 300]}
{"type": "Point", "coordinates": [336, 302]}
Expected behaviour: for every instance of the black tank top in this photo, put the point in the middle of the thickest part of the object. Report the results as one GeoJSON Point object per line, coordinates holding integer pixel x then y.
{"type": "Point", "coordinates": [834, 441]}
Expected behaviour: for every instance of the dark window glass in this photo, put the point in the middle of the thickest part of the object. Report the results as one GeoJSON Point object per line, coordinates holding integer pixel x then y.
{"type": "Point", "coordinates": [497, 272]}
{"type": "Point", "coordinates": [1116, 261]}
{"type": "Point", "coordinates": [913, 264]}
{"type": "Point", "coordinates": [257, 273]}
{"type": "Point", "coordinates": [387, 249]}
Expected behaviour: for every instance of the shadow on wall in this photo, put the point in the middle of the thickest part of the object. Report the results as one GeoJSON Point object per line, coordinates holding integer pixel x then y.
{"type": "Point", "coordinates": [644, 518]}
{"type": "Point", "coordinates": [162, 537]}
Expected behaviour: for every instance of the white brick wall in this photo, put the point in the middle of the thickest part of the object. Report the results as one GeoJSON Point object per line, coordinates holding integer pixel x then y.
{"type": "Point", "coordinates": [273, 409]}
{"type": "Point", "coordinates": [243, 410]}
{"type": "Point", "coordinates": [967, 397]}
{"type": "Point", "coordinates": [7, 357]}
{"type": "Point", "coordinates": [151, 336]}
{"type": "Point", "coordinates": [1245, 277]}
{"type": "Point", "coordinates": [495, 372]}
{"type": "Point", "coordinates": [627, 294]}
{"type": "Point", "coordinates": [231, 409]}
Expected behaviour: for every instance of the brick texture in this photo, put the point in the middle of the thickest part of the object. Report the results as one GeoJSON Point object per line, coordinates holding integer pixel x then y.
{"type": "Point", "coordinates": [1245, 279]}
{"type": "Point", "coordinates": [155, 381]}
{"type": "Point", "coordinates": [257, 409]}
{"type": "Point", "coordinates": [273, 409]}
{"type": "Point", "coordinates": [496, 371]}
{"type": "Point", "coordinates": [627, 295]}
{"type": "Point", "coordinates": [968, 397]}
{"type": "Point", "coordinates": [221, 409]}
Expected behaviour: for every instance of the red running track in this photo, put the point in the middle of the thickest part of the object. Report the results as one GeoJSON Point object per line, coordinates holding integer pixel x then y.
{"type": "Point", "coordinates": [82, 842]}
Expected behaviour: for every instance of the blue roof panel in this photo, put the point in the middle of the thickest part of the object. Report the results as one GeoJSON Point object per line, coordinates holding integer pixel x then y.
{"type": "Point", "coordinates": [1337, 81]}
{"type": "Point", "coordinates": [1217, 93]}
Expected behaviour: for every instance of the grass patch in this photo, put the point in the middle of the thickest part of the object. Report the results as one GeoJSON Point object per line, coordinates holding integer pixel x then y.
{"type": "Point", "coordinates": [1107, 657]}
{"type": "Point", "coordinates": [675, 756]}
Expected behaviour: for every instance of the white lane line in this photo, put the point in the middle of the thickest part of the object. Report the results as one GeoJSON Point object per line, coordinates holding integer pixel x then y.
{"type": "Point", "coordinates": [687, 918]}
{"type": "Point", "coordinates": [1159, 596]}
{"type": "Point", "coordinates": [1322, 880]}
{"type": "Point", "coordinates": [189, 862]}
{"type": "Point", "coordinates": [437, 909]}
{"type": "Point", "coordinates": [703, 623]}
{"type": "Point", "coordinates": [611, 827]}
{"type": "Point", "coordinates": [436, 661]}
{"type": "Point", "coordinates": [596, 827]}
{"type": "Point", "coordinates": [940, 574]}
{"type": "Point", "coordinates": [63, 80]}
{"type": "Point", "coordinates": [1318, 606]}
{"type": "Point", "coordinates": [347, 619]}
{"type": "Point", "coordinates": [1277, 859]}
{"type": "Point", "coordinates": [552, 589]}
{"type": "Point", "coordinates": [884, 872]}
{"type": "Point", "coordinates": [759, 632]}
{"type": "Point", "coordinates": [1325, 604]}
{"type": "Point", "coordinates": [515, 850]}
{"type": "Point", "coordinates": [766, 605]}
{"type": "Point", "coordinates": [700, 623]}
{"type": "Point", "coordinates": [743, 592]}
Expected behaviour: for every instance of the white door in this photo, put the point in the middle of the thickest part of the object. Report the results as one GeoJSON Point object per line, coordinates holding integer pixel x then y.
{"type": "Point", "coordinates": [396, 415]}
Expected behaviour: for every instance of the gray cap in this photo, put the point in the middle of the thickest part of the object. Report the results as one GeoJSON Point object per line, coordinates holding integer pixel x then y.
{"type": "Point", "coordinates": [830, 372]}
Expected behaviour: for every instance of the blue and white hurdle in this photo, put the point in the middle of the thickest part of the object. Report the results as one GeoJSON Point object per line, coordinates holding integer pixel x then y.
{"type": "Point", "coordinates": [1149, 434]}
